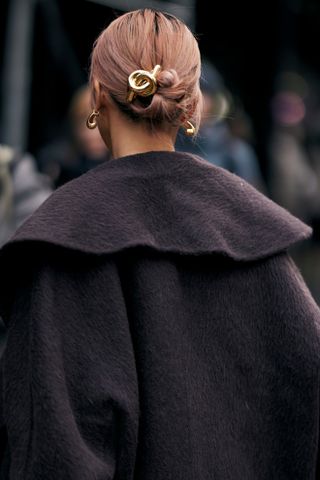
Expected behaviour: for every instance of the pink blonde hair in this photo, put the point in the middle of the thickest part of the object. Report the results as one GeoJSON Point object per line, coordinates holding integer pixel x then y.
{"type": "Point", "coordinates": [143, 39]}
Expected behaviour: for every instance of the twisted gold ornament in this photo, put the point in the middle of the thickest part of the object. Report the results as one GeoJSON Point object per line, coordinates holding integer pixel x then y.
{"type": "Point", "coordinates": [142, 83]}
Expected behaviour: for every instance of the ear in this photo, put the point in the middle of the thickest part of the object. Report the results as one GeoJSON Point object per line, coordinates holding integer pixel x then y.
{"type": "Point", "coordinates": [96, 97]}
{"type": "Point", "coordinates": [100, 97]}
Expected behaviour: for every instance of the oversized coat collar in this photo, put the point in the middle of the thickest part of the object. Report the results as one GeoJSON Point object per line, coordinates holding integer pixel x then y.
{"type": "Point", "coordinates": [168, 201]}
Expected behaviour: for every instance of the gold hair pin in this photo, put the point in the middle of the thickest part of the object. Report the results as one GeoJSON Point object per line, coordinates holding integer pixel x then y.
{"type": "Point", "coordinates": [143, 83]}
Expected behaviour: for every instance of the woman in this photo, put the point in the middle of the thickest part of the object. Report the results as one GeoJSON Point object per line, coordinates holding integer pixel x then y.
{"type": "Point", "coordinates": [158, 328]}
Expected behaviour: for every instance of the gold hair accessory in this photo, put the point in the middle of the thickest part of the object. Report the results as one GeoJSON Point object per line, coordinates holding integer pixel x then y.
{"type": "Point", "coordinates": [189, 129]}
{"type": "Point", "coordinates": [143, 83]}
{"type": "Point", "coordinates": [92, 120]}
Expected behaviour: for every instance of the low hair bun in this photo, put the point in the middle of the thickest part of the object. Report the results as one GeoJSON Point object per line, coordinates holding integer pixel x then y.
{"type": "Point", "coordinates": [167, 78]}
{"type": "Point", "coordinates": [159, 109]}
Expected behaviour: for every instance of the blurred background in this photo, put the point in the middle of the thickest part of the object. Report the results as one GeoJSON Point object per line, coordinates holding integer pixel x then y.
{"type": "Point", "coordinates": [261, 80]}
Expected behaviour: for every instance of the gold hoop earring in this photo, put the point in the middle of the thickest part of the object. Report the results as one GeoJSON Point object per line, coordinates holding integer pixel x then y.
{"type": "Point", "coordinates": [91, 120]}
{"type": "Point", "coordinates": [189, 129]}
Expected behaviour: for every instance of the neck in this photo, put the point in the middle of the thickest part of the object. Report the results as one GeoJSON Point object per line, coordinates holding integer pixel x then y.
{"type": "Point", "coordinates": [130, 145]}
{"type": "Point", "coordinates": [126, 137]}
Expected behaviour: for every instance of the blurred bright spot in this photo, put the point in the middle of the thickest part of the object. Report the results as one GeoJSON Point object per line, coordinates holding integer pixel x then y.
{"type": "Point", "coordinates": [222, 107]}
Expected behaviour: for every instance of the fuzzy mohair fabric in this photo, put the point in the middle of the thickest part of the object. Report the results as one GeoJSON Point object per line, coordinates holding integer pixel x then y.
{"type": "Point", "coordinates": [158, 329]}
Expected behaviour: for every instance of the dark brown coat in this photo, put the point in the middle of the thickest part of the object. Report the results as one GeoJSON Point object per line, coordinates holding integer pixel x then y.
{"type": "Point", "coordinates": [159, 330]}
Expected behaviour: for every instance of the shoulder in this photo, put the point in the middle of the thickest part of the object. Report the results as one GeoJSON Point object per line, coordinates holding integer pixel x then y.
{"type": "Point", "coordinates": [168, 201]}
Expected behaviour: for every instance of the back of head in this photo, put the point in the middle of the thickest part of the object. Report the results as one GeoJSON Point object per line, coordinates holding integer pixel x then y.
{"type": "Point", "coordinates": [140, 40]}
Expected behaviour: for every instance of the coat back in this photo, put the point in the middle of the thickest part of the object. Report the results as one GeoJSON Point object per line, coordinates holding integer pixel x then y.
{"type": "Point", "coordinates": [159, 330]}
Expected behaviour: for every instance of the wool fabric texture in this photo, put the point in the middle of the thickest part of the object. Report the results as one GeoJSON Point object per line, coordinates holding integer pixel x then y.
{"type": "Point", "coordinates": [158, 329]}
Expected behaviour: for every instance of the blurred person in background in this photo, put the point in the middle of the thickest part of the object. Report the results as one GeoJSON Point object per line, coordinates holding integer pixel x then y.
{"type": "Point", "coordinates": [294, 152]}
{"type": "Point", "coordinates": [294, 181]}
{"type": "Point", "coordinates": [224, 137]}
{"type": "Point", "coordinates": [312, 142]}
{"type": "Point", "coordinates": [79, 149]}
{"type": "Point", "coordinates": [22, 189]}
{"type": "Point", "coordinates": [158, 328]}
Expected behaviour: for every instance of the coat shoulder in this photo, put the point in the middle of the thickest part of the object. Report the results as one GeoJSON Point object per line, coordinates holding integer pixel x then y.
{"type": "Point", "coordinates": [168, 201]}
